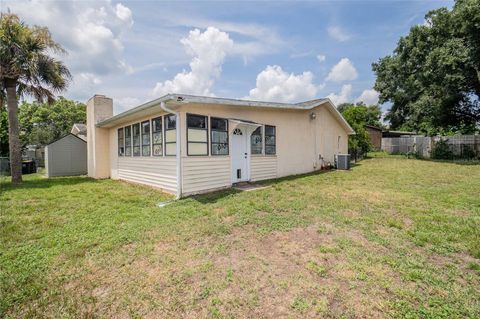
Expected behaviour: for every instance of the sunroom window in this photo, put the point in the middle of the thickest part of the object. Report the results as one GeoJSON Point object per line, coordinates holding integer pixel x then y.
{"type": "Point", "coordinates": [121, 146]}
{"type": "Point", "coordinates": [136, 139]}
{"type": "Point", "coordinates": [157, 136]}
{"type": "Point", "coordinates": [270, 140]}
{"type": "Point", "coordinates": [128, 140]}
{"type": "Point", "coordinates": [197, 135]}
{"type": "Point", "coordinates": [219, 136]}
{"type": "Point", "coordinates": [256, 141]}
{"type": "Point", "coordinates": [170, 134]}
{"type": "Point", "coordinates": [146, 138]}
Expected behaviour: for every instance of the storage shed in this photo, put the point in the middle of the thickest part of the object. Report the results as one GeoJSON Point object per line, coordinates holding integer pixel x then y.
{"type": "Point", "coordinates": [66, 156]}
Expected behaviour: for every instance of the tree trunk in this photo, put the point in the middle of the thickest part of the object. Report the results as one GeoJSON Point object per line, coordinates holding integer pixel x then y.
{"type": "Point", "coordinates": [14, 132]}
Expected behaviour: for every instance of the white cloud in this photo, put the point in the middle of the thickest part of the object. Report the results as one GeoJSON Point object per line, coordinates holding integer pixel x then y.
{"type": "Point", "coordinates": [124, 103]}
{"type": "Point", "coordinates": [321, 58]}
{"type": "Point", "coordinates": [91, 32]}
{"type": "Point", "coordinates": [344, 70]}
{"type": "Point", "coordinates": [369, 97]}
{"type": "Point", "coordinates": [208, 51]}
{"type": "Point", "coordinates": [274, 84]}
{"type": "Point", "coordinates": [338, 34]}
{"type": "Point", "coordinates": [343, 97]}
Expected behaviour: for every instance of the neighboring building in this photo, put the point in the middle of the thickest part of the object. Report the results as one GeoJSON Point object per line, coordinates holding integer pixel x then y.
{"type": "Point", "coordinates": [79, 130]}
{"type": "Point", "coordinates": [66, 156]}
{"type": "Point", "coordinates": [375, 135]}
{"type": "Point", "coordinates": [389, 133]}
{"type": "Point", "coordinates": [36, 153]}
{"type": "Point", "coordinates": [188, 144]}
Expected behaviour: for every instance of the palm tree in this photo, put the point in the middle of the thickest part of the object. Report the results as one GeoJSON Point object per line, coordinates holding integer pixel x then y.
{"type": "Point", "coordinates": [27, 68]}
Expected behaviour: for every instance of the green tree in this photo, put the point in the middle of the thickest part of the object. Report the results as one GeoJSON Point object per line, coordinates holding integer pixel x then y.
{"type": "Point", "coordinates": [42, 123]}
{"type": "Point", "coordinates": [432, 78]}
{"type": "Point", "coordinates": [26, 68]}
{"type": "Point", "coordinates": [358, 116]}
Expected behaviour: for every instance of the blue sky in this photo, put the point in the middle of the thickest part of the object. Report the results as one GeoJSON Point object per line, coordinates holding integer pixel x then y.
{"type": "Point", "coordinates": [134, 51]}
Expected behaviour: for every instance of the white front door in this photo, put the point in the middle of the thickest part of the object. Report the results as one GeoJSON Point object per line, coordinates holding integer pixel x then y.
{"type": "Point", "coordinates": [239, 155]}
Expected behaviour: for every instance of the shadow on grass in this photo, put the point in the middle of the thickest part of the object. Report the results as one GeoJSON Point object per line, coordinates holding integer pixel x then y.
{"type": "Point", "coordinates": [456, 162]}
{"type": "Point", "coordinates": [40, 182]}
{"type": "Point", "coordinates": [213, 197]}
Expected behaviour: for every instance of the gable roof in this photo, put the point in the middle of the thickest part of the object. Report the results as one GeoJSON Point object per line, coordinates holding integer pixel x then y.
{"type": "Point", "coordinates": [67, 135]}
{"type": "Point", "coordinates": [178, 99]}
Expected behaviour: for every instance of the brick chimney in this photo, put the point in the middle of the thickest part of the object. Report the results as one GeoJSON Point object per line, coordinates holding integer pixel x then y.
{"type": "Point", "coordinates": [99, 108]}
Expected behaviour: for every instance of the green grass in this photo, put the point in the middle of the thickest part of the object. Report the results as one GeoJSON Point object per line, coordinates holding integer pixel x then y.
{"type": "Point", "coordinates": [390, 238]}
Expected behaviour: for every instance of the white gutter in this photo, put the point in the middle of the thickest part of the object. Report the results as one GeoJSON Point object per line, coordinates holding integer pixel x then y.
{"type": "Point", "coordinates": [178, 145]}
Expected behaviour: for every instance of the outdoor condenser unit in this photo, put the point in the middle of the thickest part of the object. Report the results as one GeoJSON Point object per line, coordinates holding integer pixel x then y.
{"type": "Point", "coordinates": [343, 161]}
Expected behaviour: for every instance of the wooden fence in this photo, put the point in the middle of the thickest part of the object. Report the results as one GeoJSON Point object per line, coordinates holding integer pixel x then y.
{"type": "Point", "coordinates": [460, 145]}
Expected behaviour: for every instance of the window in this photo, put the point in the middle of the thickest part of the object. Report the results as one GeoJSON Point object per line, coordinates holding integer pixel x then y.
{"type": "Point", "coordinates": [270, 148]}
{"type": "Point", "coordinates": [136, 139]}
{"type": "Point", "coordinates": [146, 138]}
{"type": "Point", "coordinates": [121, 146]}
{"type": "Point", "coordinates": [256, 141]}
{"type": "Point", "coordinates": [157, 137]}
{"type": "Point", "coordinates": [128, 141]}
{"type": "Point", "coordinates": [170, 134]}
{"type": "Point", "coordinates": [219, 136]}
{"type": "Point", "coordinates": [197, 135]}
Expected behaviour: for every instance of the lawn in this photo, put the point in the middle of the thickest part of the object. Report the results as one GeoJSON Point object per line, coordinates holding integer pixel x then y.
{"type": "Point", "coordinates": [393, 237]}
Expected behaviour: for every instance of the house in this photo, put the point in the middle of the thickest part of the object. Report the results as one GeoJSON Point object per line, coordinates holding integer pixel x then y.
{"type": "Point", "coordinates": [187, 144]}
{"type": "Point", "coordinates": [375, 136]}
{"type": "Point", "coordinates": [80, 130]}
{"type": "Point", "coordinates": [67, 156]}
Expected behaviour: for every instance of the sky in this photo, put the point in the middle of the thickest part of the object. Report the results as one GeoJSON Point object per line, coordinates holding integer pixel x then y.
{"type": "Point", "coordinates": [283, 51]}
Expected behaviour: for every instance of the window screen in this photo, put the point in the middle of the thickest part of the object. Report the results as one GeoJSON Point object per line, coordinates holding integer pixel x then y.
{"type": "Point", "coordinates": [128, 140]}
{"type": "Point", "coordinates": [170, 134]}
{"type": "Point", "coordinates": [146, 138]}
{"type": "Point", "coordinates": [219, 136]}
{"type": "Point", "coordinates": [136, 139]}
{"type": "Point", "coordinates": [256, 141]}
{"type": "Point", "coordinates": [121, 146]}
{"type": "Point", "coordinates": [157, 138]}
{"type": "Point", "coordinates": [197, 135]}
{"type": "Point", "coordinates": [270, 140]}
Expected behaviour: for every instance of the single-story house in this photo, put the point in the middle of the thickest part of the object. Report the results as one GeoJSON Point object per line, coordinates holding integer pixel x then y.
{"type": "Point", "coordinates": [187, 144]}
{"type": "Point", "coordinates": [80, 130]}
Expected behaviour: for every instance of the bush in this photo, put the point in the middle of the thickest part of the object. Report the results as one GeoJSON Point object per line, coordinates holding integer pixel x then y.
{"type": "Point", "coordinates": [441, 150]}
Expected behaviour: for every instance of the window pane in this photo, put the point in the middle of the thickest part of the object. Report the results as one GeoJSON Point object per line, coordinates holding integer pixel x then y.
{"type": "Point", "coordinates": [269, 130]}
{"type": "Point", "coordinates": [128, 131]}
{"type": "Point", "coordinates": [121, 148]}
{"type": "Point", "coordinates": [219, 149]}
{"type": "Point", "coordinates": [157, 150]}
{"type": "Point", "coordinates": [218, 124]}
{"type": "Point", "coordinates": [157, 137]}
{"type": "Point", "coordinates": [256, 141]}
{"type": "Point", "coordinates": [157, 124]}
{"type": "Point", "coordinates": [170, 122]}
{"type": "Point", "coordinates": [197, 149]}
{"type": "Point", "coordinates": [146, 150]}
{"type": "Point", "coordinates": [128, 151]}
{"type": "Point", "coordinates": [171, 149]}
{"type": "Point", "coordinates": [120, 133]}
{"type": "Point", "coordinates": [136, 151]}
{"type": "Point", "coordinates": [270, 149]}
{"type": "Point", "coordinates": [196, 121]}
{"type": "Point", "coordinates": [195, 135]}
{"type": "Point", "coordinates": [219, 137]}
{"type": "Point", "coordinates": [170, 136]}
{"type": "Point", "coordinates": [269, 140]}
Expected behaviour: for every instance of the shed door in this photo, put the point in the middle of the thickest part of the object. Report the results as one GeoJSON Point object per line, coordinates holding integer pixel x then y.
{"type": "Point", "coordinates": [239, 155]}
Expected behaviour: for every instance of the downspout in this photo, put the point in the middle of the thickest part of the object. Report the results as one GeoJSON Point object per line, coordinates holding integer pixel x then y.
{"type": "Point", "coordinates": [178, 145]}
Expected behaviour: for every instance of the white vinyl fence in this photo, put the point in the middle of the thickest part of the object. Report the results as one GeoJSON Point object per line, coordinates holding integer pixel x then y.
{"type": "Point", "coordinates": [460, 145]}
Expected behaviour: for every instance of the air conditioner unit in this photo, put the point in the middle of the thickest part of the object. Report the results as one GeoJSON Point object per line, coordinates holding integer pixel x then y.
{"type": "Point", "coordinates": [342, 161]}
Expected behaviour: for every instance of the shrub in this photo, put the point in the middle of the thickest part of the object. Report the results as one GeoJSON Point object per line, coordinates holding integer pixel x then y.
{"type": "Point", "coordinates": [441, 150]}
